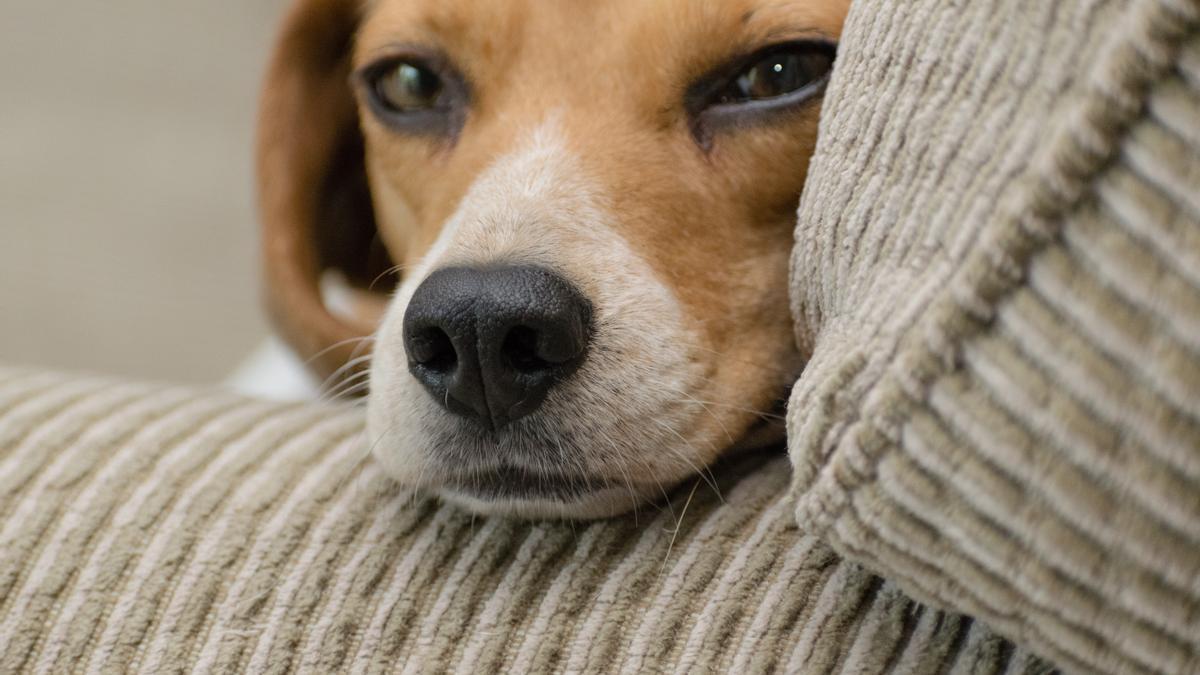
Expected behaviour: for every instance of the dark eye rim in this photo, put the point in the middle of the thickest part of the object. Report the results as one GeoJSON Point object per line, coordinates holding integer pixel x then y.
{"type": "Point", "coordinates": [708, 115]}
{"type": "Point", "coordinates": [444, 119]}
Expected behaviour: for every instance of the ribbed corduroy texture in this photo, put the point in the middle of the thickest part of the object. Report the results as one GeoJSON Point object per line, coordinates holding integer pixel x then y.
{"type": "Point", "coordinates": [152, 529]}
{"type": "Point", "coordinates": [998, 271]}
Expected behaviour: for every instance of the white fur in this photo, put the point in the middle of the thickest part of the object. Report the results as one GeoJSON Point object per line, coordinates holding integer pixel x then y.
{"type": "Point", "coordinates": [622, 414]}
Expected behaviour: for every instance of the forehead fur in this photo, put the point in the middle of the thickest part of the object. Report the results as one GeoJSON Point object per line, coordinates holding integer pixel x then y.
{"type": "Point", "coordinates": [617, 70]}
{"type": "Point", "coordinates": [657, 38]}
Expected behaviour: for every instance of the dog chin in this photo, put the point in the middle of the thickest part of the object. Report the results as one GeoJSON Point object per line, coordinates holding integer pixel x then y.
{"type": "Point", "coordinates": [527, 484]}
{"type": "Point", "coordinates": [602, 503]}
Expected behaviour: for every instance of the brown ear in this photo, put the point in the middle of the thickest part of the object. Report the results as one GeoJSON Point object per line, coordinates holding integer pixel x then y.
{"type": "Point", "coordinates": [315, 205]}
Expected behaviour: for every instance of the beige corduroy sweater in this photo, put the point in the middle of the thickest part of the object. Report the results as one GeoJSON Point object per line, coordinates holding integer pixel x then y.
{"type": "Point", "coordinates": [155, 529]}
{"type": "Point", "coordinates": [998, 271]}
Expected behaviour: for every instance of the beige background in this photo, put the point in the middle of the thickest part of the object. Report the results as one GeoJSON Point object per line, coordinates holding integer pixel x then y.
{"type": "Point", "coordinates": [127, 227]}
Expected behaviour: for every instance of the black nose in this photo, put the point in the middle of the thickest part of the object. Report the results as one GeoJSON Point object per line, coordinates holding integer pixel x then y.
{"type": "Point", "coordinates": [489, 342]}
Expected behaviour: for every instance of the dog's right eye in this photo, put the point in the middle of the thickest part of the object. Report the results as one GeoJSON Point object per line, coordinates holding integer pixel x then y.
{"type": "Point", "coordinates": [415, 93]}
{"type": "Point", "coordinates": [403, 87]}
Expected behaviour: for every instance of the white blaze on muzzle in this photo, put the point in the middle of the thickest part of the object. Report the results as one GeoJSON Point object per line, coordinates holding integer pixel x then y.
{"type": "Point", "coordinates": [536, 208]}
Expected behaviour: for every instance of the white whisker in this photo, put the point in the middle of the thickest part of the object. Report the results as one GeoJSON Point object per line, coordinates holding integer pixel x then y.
{"type": "Point", "coordinates": [703, 473]}
{"type": "Point", "coordinates": [394, 269]}
{"type": "Point", "coordinates": [675, 532]}
{"type": "Point", "coordinates": [350, 366]}
{"type": "Point", "coordinates": [356, 382]}
{"type": "Point", "coordinates": [336, 345]}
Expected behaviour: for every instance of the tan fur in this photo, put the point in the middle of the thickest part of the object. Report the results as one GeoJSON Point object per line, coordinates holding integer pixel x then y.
{"type": "Point", "coordinates": [712, 225]}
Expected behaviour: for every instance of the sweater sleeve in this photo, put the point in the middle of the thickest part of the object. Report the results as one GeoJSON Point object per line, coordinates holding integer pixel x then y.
{"type": "Point", "coordinates": [997, 278]}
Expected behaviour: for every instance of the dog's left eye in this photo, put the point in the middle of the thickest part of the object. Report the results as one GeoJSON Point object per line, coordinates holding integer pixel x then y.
{"type": "Point", "coordinates": [778, 74]}
{"type": "Point", "coordinates": [754, 88]}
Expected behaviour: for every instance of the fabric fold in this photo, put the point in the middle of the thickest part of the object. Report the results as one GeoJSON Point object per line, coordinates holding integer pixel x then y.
{"type": "Point", "coordinates": [995, 273]}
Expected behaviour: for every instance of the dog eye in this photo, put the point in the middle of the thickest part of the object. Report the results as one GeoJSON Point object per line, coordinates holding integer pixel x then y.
{"type": "Point", "coordinates": [755, 89]}
{"type": "Point", "coordinates": [778, 74]}
{"type": "Point", "coordinates": [404, 86]}
{"type": "Point", "coordinates": [417, 92]}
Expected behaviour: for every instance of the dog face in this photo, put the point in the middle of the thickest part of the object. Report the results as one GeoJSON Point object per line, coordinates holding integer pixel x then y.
{"type": "Point", "coordinates": [592, 204]}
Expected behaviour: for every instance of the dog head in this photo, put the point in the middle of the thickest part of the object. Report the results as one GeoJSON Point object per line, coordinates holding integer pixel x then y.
{"type": "Point", "coordinates": [592, 206]}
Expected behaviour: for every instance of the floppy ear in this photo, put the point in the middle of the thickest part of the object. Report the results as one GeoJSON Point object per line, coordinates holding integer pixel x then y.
{"type": "Point", "coordinates": [315, 204]}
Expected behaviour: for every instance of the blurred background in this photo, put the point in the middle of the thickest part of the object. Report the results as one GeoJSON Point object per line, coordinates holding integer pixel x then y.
{"type": "Point", "coordinates": [128, 240]}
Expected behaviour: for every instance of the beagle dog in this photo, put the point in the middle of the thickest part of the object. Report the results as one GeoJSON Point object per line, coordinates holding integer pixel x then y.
{"type": "Point", "coordinates": [589, 207]}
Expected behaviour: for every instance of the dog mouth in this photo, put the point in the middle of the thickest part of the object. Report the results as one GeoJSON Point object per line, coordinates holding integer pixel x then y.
{"type": "Point", "coordinates": [509, 482]}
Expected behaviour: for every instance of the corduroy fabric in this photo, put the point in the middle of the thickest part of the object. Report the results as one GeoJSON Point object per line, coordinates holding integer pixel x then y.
{"type": "Point", "coordinates": [998, 273]}
{"type": "Point", "coordinates": [156, 529]}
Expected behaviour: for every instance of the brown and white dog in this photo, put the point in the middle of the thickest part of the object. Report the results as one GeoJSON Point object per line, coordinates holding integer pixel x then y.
{"type": "Point", "coordinates": [592, 205]}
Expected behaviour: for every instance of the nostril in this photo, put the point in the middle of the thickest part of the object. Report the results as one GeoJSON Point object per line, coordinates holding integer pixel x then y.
{"type": "Point", "coordinates": [553, 346]}
{"type": "Point", "coordinates": [521, 349]}
{"type": "Point", "coordinates": [489, 343]}
{"type": "Point", "coordinates": [433, 349]}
